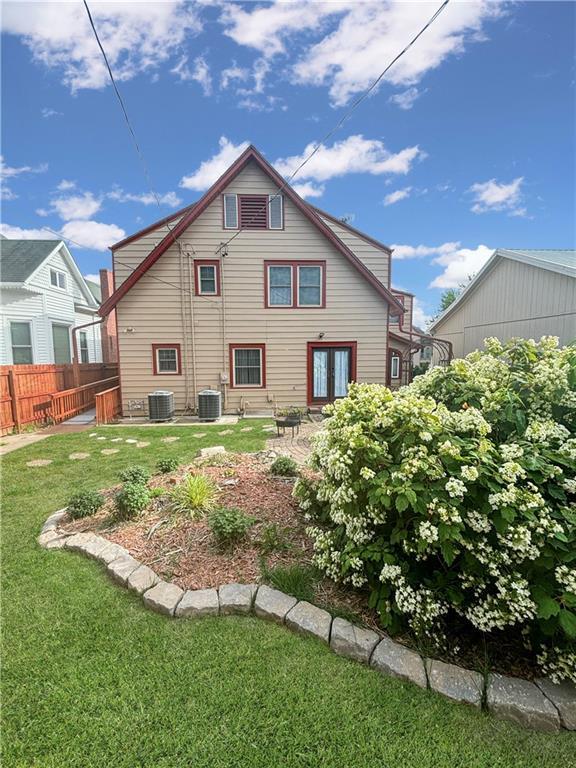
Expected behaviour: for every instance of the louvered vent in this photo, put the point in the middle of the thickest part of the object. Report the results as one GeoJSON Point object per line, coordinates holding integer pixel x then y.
{"type": "Point", "coordinates": [254, 212]}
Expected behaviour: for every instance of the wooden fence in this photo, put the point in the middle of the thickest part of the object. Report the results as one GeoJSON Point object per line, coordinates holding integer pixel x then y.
{"type": "Point", "coordinates": [71, 402]}
{"type": "Point", "coordinates": [108, 405]}
{"type": "Point", "coordinates": [26, 390]}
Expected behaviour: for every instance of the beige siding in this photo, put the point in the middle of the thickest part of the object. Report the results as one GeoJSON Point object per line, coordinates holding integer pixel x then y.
{"type": "Point", "coordinates": [377, 260]}
{"type": "Point", "coordinates": [514, 299]}
{"type": "Point", "coordinates": [154, 310]}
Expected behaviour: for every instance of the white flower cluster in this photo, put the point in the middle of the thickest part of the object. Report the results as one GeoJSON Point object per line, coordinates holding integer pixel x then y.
{"type": "Point", "coordinates": [455, 488]}
{"type": "Point", "coordinates": [566, 577]}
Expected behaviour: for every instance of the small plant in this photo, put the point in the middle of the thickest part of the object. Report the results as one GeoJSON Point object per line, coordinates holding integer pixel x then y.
{"type": "Point", "coordinates": [131, 499]}
{"type": "Point", "coordinates": [194, 495]}
{"type": "Point", "coordinates": [290, 412]}
{"type": "Point", "coordinates": [164, 466]}
{"type": "Point", "coordinates": [273, 539]}
{"type": "Point", "coordinates": [284, 466]}
{"type": "Point", "coordinates": [296, 580]}
{"type": "Point", "coordinates": [135, 474]}
{"type": "Point", "coordinates": [229, 526]}
{"type": "Point", "coordinates": [84, 503]}
{"type": "Point", "coordinates": [155, 493]}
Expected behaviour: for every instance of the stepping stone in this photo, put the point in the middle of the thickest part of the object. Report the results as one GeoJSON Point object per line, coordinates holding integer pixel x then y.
{"type": "Point", "coordinates": [397, 660]}
{"type": "Point", "coordinates": [163, 598]}
{"type": "Point", "coordinates": [273, 604]}
{"type": "Point", "coordinates": [142, 579]}
{"type": "Point", "coordinates": [226, 432]}
{"type": "Point", "coordinates": [214, 450]}
{"type": "Point", "coordinates": [454, 682]}
{"type": "Point", "coordinates": [121, 568]}
{"type": "Point", "coordinates": [111, 552]}
{"type": "Point", "coordinates": [268, 429]}
{"type": "Point", "coordinates": [142, 444]}
{"type": "Point", "coordinates": [236, 598]}
{"type": "Point", "coordinates": [356, 643]}
{"type": "Point", "coordinates": [246, 429]}
{"type": "Point", "coordinates": [117, 440]}
{"type": "Point", "coordinates": [39, 463]}
{"type": "Point", "coordinates": [93, 434]}
{"type": "Point", "coordinates": [130, 440]}
{"type": "Point", "coordinates": [169, 439]}
{"type": "Point", "coordinates": [78, 456]}
{"type": "Point", "coordinates": [198, 435]}
{"type": "Point", "coordinates": [563, 696]}
{"type": "Point", "coordinates": [101, 438]}
{"type": "Point", "coordinates": [109, 451]}
{"type": "Point", "coordinates": [522, 702]}
{"type": "Point", "coordinates": [307, 619]}
{"type": "Point", "coordinates": [197, 603]}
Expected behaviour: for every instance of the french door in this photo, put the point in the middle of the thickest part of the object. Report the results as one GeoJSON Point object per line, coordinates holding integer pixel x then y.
{"type": "Point", "coordinates": [331, 368]}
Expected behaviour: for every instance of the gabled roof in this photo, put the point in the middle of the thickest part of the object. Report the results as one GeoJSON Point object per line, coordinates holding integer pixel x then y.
{"type": "Point", "coordinates": [353, 230]}
{"type": "Point", "coordinates": [20, 258]}
{"type": "Point", "coordinates": [95, 290]}
{"type": "Point", "coordinates": [251, 154]}
{"type": "Point", "coordinates": [560, 260]}
{"type": "Point", "coordinates": [151, 227]}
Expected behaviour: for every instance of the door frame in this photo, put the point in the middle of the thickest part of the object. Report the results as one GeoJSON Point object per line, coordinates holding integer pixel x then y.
{"type": "Point", "coordinates": [311, 346]}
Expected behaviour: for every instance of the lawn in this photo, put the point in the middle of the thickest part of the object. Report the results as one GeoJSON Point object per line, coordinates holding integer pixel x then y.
{"type": "Point", "coordinates": [91, 678]}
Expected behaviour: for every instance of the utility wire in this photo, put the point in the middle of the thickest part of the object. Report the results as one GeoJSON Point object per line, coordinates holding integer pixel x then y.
{"type": "Point", "coordinates": [346, 115]}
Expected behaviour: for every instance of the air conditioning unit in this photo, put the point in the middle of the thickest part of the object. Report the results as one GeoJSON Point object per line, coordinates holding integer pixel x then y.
{"type": "Point", "coordinates": [161, 405]}
{"type": "Point", "coordinates": [209, 405]}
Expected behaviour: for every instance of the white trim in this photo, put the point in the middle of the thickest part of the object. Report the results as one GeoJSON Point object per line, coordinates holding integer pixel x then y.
{"type": "Point", "coordinates": [224, 217]}
{"type": "Point", "coordinates": [30, 324]}
{"type": "Point", "coordinates": [58, 273]}
{"type": "Point", "coordinates": [394, 358]}
{"type": "Point", "coordinates": [246, 386]}
{"type": "Point", "coordinates": [63, 324]}
{"type": "Point", "coordinates": [167, 373]}
{"type": "Point", "coordinates": [77, 275]}
{"type": "Point", "coordinates": [281, 266]}
{"type": "Point", "coordinates": [199, 265]}
{"type": "Point", "coordinates": [309, 266]}
{"type": "Point", "coordinates": [270, 198]}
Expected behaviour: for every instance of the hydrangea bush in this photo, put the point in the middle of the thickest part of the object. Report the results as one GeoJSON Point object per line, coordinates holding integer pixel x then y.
{"type": "Point", "coordinates": [456, 496]}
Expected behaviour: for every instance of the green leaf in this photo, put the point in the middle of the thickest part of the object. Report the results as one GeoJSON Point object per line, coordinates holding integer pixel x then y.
{"type": "Point", "coordinates": [568, 622]}
{"type": "Point", "coordinates": [447, 549]}
{"type": "Point", "coordinates": [547, 607]}
{"type": "Point", "coordinates": [401, 502]}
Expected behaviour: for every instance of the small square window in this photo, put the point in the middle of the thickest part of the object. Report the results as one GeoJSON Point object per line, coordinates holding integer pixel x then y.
{"type": "Point", "coordinates": [207, 278]}
{"type": "Point", "coordinates": [166, 359]}
{"type": "Point", "coordinates": [58, 279]}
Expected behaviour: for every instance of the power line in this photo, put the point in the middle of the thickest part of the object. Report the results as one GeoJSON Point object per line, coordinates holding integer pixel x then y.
{"type": "Point", "coordinates": [347, 114]}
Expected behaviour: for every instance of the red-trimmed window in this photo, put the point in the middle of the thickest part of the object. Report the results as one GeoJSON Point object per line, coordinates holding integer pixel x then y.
{"type": "Point", "coordinates": [248, 366]}
{"type": "Point", "coordinates": [300, 284]}
{"type": "Point", "coordinates": [253, 211]}
{"type": "Point", "coordinates": [166, 359]}
{"type": "Point", "coordinates": [207, 277]}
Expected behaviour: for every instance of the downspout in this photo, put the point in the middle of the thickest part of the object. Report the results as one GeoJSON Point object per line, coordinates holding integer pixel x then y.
{"type": "Point", "coordinates": [192, 335]}
{"type": "Point", "coordinates": [75, 363]}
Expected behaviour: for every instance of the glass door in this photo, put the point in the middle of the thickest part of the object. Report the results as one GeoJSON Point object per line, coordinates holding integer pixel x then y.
{"type": "Point", "coordinates": [331, 372]}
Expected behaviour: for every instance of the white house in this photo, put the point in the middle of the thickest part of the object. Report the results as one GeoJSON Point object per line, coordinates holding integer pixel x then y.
{"type": "Point", "coordinates": [43, 296]}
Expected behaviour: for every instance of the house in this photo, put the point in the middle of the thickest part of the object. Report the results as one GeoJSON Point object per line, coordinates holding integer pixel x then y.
{"type": "Point", "coordinates": [43, 296]}
{"type": "Point", "coordinates": [518, 293]}
{"type": "Point", "coordinates": [254, 292]}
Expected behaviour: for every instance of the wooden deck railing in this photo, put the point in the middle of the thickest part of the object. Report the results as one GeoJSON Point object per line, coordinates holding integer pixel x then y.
{"type": "Point", "coordinates": [71, 402]}
{"type": "Point", "coordinates": [108, 405]}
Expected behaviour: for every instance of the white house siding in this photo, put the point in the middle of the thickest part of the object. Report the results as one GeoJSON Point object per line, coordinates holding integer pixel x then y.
{"type": "Point", "coordinates": [151, 312]}
{"type": "Point", "coordinates": [19, 306]}
{"type": "Point", "coordinates": [514, 299]}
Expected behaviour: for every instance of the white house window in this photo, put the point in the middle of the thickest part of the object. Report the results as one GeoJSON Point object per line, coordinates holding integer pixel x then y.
{"type": "Point", "coordinates": [280, 286]}
{"type": "Point", "coordinates": [21, 337]}
{"type": "Point", "coordinates": [230, 211]}
{"type": "Point", "coordinates": [247, 365]}
{"type": "Point", "coordinates": [309, 286]}
{"type": "Point", "coordinates": [207, 278]}
{"type": "Point", "coordinates": [58, 279]}
{"type": "Point", "coordinates": [395, 367]}
{"type": "Point", "coordinates": [166, 359]}
{"type": "Point", "coordinates": [84, 358]}
{"type": "Point", "coordinates": [275, 211]}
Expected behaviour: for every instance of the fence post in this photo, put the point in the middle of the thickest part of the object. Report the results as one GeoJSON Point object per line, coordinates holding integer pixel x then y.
{"type": "Point", "coordinates": [13, 389]}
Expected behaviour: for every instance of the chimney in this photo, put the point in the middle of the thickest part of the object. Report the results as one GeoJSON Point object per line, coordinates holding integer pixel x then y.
{"type": "Point", "coordinates": [109, 336]}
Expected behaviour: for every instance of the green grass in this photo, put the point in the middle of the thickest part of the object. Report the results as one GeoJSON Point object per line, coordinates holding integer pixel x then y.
{"type": "Point", "coordinates": [91, 678]}
{"type": "Point", "coordinates": [297, 580]}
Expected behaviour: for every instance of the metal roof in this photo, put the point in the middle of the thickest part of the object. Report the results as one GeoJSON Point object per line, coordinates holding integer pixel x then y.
{"type": "Point", "coordinates": [19, 258]}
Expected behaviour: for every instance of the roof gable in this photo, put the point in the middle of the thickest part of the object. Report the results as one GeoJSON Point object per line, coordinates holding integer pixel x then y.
{"type": "Point", "coordinates": [19, 259]}
{"type": "Point", "coordinates": [251, 154]}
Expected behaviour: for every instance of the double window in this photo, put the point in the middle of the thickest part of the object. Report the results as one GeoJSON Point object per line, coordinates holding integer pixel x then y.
{"type": "Point", "coordinates": [21, 338]}
{"type": "Point", "coordinates": [295, 284]}
{"type": "Point", "coordinates": [248, 365]}
{"type": "Point", "coordinates": [166, 359]}
{"type": "Point", "coordinates": [207, 277]}
{"type": "Point", "coordinates": [58, 279]}
{"type": "Point", "coordinates": [253, 211]}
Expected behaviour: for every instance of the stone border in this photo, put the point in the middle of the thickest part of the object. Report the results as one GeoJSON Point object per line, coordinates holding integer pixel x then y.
{"type": "Point", "coordinates": [541, 706]}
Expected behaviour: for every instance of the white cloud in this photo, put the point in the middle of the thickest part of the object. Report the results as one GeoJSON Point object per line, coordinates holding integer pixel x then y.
{"type": "Point", "coordinates": [93, 278]}
{"type": "Point", "coordinates": [496, 196]}
{"type": "Point", "coordinates": [136, 36]}
{"type": "Point", "coordinates": [405, 99]}
{"type": "Point", "coordinates": [65, 185]}
{"type": "Point", "coordinates": [81, 206]}
{"type": "Point", "coordinates": [8, 172]}
{"type": "Point", "coordinates": [397, 195]}
{"type": "Point", "coordinates": [170, 199]}
{"type": "Point", "coordinates": [214, 167]}
{"type": "Point", "coordinates": [19, 233]}
{"type": "Point", "coordinates": [459, 265]}
{"type": "Point", "coordinates": [232, 74]}
{"type": "Point", "coordinates": [420, 316]}
{"type": "Point", "coordinates": [92, 234]}
{"type": "Point", "coordinates": [352, 155]}
{"type": "Point", "coordinates": [309, 189]}
{"type": "Point", "coordinates": [420, 251]}
{"type": "Point", "coordinates": [6, 193]}
{"type": "Point", "coordinates": [370, 33]}
{"type": "Point", "coordinates": [200, 72]}
{"type": "Point", "coordinates": [49, 112]}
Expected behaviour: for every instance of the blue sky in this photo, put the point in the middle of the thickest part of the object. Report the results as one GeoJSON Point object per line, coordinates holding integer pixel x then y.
{"type": "Point", "coordinates": [467, 145]}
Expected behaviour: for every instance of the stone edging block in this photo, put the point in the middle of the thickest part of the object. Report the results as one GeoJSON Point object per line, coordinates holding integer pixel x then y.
{"type": "Point", "coordinates": [542, 705]}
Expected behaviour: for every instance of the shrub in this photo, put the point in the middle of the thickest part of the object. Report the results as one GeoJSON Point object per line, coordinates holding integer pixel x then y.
{"type": "Point", "coordinates": [84, 503]}
{"type": "Point", "coordinates": [229, 526]}
{"type": "Point", "coordinates": [135, 474]}
{"type": "Point", "coordinates": [455, 497]}
{"type": "Point", "coordinates": [284, 466]}
{"type": "Point", "coordinates": [131, 499]}
{"type": "Point", "coordinates": [194, 495]}
{"type": "Point", "coordinates": [273, 539]}
{"type": "Point", "coordinates": [296, 580]}
{"type": "Point", "coordinates": [155, 493]}
{"type": "Point", "coordinates": [164, 466]}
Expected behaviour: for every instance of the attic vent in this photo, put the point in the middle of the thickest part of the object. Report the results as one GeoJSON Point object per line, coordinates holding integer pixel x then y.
{"type": "Point", "coordinates": [253, 211]}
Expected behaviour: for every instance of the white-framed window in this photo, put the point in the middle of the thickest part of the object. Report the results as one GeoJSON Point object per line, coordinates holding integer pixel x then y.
{"type": "Point", "coordinates": [275, 211]}
{"type": "Point", "coordinates": [58, 279]}
{"type": "Point", "coordinates": [309, 285]}
{"type": "Point", "coordinates": [61, 344]}
{"type": "Point", "coordinates": [83, 339]}
{"type": "Point", "coordinates": [21, 339]}
{"type": "Point", "coordinates": [248, 365]}
{"type": "Point", "coordinates": [395, 367]}
{"type": "Point", "coordinates": [166, 359]}
{"type": "Point", "coordinates": [230, 211]}
{"type": "Point", "coordinates": [280, 285]}
{"type": "Point", "coordinates": [207, 278]}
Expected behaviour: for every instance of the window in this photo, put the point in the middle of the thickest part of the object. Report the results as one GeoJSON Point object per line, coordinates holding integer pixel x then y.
{"type": "Point", "coordinates": [58, 279]}
{"type": "Point", "coordinates": [61, 344]}
{"type": "Point", "coordinates": [295, 284]}
{"type": "Point", "coordinates": [253, 211]}
{"type": "Point", "coordinates": [207, 277]}
{"type": "Point", "coordinates": [395, 367]}
{"type": "Point", "coordinates": [83, 347]}
{"type": "Point", "coordinates": [21, 337]}
{"type": "Point", "coordinates": [247, 364]}
{"type": "Point", "coordinates": [166, 359]}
